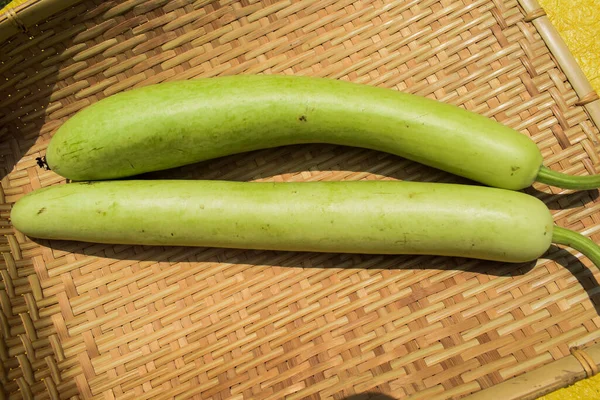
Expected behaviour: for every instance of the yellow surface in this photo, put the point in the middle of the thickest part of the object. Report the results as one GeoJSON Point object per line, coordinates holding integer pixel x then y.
{"type": "Point", "coordinates": [578, 22]}
{"type": "Point", "coordinates": [587, 389]}
{"type": "Point", "coordinates": [13, 4]}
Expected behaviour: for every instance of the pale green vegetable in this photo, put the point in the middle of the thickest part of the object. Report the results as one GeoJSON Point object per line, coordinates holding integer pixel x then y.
{"type": "Point", "coordinates": [377, 217]}
{"type": "Point", "coordinates": [177, 123]}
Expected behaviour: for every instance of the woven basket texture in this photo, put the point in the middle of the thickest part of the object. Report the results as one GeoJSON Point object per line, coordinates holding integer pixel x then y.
{"type": "Point", "coordinates": [82, 320]}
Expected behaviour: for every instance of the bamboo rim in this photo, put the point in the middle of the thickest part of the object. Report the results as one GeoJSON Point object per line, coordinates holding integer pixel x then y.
{"type": "Point", "coordinates": [581, 364]}
{"type": "Point", "coordinates": [557, 46]}
{"type": "Point", "coordinates": [18, 19]}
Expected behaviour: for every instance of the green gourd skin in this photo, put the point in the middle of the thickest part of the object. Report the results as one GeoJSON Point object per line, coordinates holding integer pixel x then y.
{"type": "Point", "coordinates": [177, 123]}
{"type": "Point", "coordinates": [369, 217]}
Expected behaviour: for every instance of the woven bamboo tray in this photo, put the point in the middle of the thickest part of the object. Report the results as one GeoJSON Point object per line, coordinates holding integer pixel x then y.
{"type": "Point", "coordinates": [83, 320]}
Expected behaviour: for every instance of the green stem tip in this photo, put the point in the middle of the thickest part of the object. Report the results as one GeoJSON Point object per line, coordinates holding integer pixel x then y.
{"type": "Point", "coordinates": [578, 242]}
{"type": "Point", "coordinates": [558, 179]}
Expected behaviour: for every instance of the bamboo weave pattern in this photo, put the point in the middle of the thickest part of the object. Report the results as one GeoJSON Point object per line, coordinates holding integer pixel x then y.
{"type": "Point", "coordinates": [132, 322]}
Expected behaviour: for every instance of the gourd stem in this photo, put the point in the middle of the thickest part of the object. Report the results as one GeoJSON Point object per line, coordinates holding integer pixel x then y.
{"type": "Point", "coordinates": [577, 241]}
{"type": "Point", "coordinates": [558, 179]}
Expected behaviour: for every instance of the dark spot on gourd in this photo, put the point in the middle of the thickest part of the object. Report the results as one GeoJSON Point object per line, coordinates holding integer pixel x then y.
{"type": "Point", "coordinates": [41, 210]}
{"type": "Point", "coordinates": [302, 118]}
{"type": "Point", "coordinates": [515, 168]}
{"type": "Point", "coordinates": [172, 234]}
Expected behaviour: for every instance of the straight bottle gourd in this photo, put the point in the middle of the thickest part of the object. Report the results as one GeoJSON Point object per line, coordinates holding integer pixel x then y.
{"type": "Point", "coordinates": [376, 217]}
